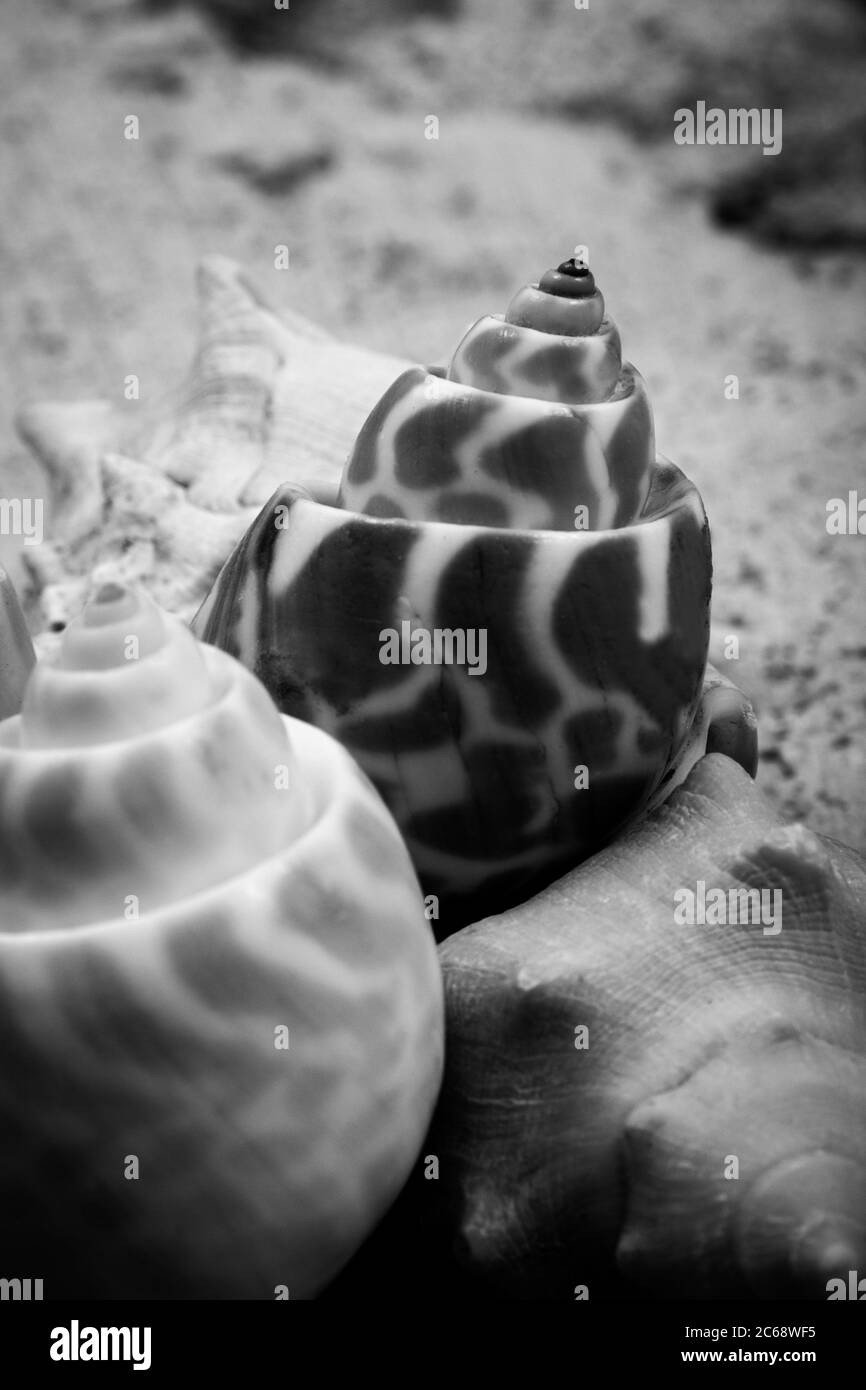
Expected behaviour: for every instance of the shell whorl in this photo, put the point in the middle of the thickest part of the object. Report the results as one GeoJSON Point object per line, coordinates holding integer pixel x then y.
{"type": "Point", "coordinates": [142, 763]}
{"type": "Point", "coordinates": [553, 343]}
{"type": "Point", "coordinates": [535, 417]}
{"type": "Point", "coordinates": [124, 669]}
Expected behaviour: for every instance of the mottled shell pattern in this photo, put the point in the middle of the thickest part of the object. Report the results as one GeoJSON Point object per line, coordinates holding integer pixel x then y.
{"type": "Point", "coordinates": [513, 510]}
{"type": "Point", "coordinates": [168, 905]}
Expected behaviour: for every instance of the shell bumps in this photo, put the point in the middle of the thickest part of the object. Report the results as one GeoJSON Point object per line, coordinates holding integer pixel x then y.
{"type": "Point", "coordinates": [640, 1104]}
{"type": "Point", "coordinates": [220, 1057]}
{"type": "Point", "coordinates": [505, 618]}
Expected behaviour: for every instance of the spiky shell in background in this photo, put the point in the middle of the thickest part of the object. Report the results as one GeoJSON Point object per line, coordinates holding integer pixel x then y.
{"type": "Point", "coordinates": [268, 398]}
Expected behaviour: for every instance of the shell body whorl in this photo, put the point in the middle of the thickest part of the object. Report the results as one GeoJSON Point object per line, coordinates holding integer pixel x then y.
{"type": "Point", "coordinates": [143, 764]}
{"type": "Point", "coordinates": [514, 502]}
{"type": "Point", "coordinates": [518, 360]}
{"type": "Point", "coordinates": [168, 907]}
{"type": "Point", "coordinates": [447, 451]}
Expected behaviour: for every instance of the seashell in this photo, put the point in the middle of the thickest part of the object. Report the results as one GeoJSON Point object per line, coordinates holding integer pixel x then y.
{"type": "Point", "coordinates": [657, 1109]}
{"type": "Point", "coordinates": [69, 439]}
{"type": "Point", "coordinates": [16, 649]}
{"type": "Point", "coordinates": [268, 399]}
{"type": "Point", "coordinates": [189, 996]}
{"type": "Point", "coordinates": [456, 521]}
{"type": "Point", "coordinates": [725, 722]}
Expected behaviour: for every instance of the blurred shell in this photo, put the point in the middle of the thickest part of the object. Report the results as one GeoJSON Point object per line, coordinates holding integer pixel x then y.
{"type": "Point", "coordinates": [168, 901]}
{"type": "Point", "coordinates": [270, 398]}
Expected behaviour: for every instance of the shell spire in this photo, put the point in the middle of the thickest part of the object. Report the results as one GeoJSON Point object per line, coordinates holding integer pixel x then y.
{"type": "Point", "coordinates": [151, 674]}
{"type": "Point", "coordinates": [541, 306]}
{"type": "Point", "coordinates": [122, 718]}
{"type": "Point", "coordinates": [537, 423]}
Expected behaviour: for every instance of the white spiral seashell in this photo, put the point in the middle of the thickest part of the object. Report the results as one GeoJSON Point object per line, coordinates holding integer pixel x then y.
{"type": "Point", "coordinates": [183, 874]}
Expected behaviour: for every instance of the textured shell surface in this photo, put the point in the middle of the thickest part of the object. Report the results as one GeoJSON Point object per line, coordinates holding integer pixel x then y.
{"type": "Point", "coordinates": [562, 566]}
{"type": "Point", "coordinates": [186, 982]}
{"type": "Point", "coordinates": [638, 1100]}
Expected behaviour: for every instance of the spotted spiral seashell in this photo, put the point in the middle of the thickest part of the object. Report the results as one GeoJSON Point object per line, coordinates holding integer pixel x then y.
{"type": "Point", "coordinates": [506, 615]}
{"type": "Point", "coordinates": [188, 988]}
{"type": "Point", "coordinates": [536, 417]}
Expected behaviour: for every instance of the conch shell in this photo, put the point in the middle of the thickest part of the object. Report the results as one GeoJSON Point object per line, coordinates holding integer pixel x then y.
{"type": "Point", "coordinates": [221, 1054]}
{"type": "Point", "coordinates": [639, 1103]}
{"type": "Point", "coordinates": [561, 697]}
{"type": "Point", "coordinates": [160, 504]}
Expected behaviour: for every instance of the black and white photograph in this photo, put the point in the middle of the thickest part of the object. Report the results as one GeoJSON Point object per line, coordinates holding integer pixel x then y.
{"type": "Point", "coordinates": [432, 671]}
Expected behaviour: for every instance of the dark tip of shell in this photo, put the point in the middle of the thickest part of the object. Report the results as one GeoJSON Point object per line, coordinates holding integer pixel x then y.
{"type": "Point", "coordinates": [573, 267]}
{"type": "Point", "coordinates": [111, 592]}
{"type": "Point", "coordinates": [110, 602]}
{"type": "Point", "coordinates": [571, 280]}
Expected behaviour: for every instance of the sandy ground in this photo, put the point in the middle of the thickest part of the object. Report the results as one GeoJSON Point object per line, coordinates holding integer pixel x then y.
{"type": "Point", "coordinates": [548, 135]}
